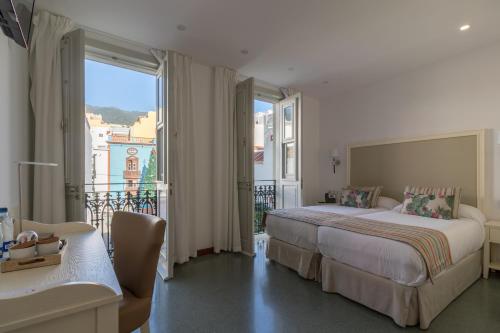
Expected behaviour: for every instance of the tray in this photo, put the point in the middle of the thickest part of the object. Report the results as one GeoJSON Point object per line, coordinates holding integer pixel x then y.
{"type": "Point", "coordinates": [12, 265]}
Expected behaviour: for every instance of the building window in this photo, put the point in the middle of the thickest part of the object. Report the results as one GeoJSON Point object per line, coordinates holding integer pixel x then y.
{"type": "Point", "coordinates": [132, 163]}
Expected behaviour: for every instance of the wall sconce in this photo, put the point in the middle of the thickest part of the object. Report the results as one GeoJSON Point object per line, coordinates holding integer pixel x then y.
{"type": "Point", "coordinates": [334, 158]}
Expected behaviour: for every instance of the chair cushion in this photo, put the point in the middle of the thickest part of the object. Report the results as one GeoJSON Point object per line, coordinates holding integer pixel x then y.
{"type": "Point", "coordinates": [133, 311]}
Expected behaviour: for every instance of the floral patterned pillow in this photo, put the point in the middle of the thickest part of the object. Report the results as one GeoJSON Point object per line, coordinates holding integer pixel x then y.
{"type": "Point", "coordinates": [355, 198]}
{"type": "Point", "coordinates": [374, 192]}
{"type": "Point", "coordinates": [452, 195]}
{"type": "Point", "coordinates": [429, 205]}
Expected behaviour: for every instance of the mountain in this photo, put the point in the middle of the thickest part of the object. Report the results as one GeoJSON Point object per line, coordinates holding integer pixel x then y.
{"type": "Point", "coordinates": [112, 115]}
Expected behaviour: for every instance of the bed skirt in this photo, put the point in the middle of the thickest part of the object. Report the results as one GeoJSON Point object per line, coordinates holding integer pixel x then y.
{"type": "Point", "coordinates": [307, 263]}
{"type": "Point", "coordinates": [407, 306]}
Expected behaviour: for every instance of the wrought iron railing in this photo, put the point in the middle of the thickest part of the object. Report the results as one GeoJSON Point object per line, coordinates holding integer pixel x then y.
{"type": "Point", "coordinates": [264, 200]}
{"type": "Point", "coordinates": [102, 200]}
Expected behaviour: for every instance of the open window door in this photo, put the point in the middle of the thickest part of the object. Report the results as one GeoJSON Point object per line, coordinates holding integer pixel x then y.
{"type": "Point", "coordinates": [245, 134]}
{"type": "Point", "coordinates": [73, 72]}
{"type": "Point", "coordinates": [288, 152]}
{"type": "Point", "coordinates": [164, 176]}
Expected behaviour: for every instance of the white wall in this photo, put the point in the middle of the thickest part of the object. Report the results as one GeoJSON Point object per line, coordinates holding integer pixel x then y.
{"type": "Point", "coordinates": [15, 121]}
{"type": "Point", "coordinates": [461, 93]}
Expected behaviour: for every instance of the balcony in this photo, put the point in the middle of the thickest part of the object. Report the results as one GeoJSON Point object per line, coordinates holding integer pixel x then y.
{"type": "Point", "coordinates": [101, 203]}
{"type": "Point", "coordinates": [131, 174]}
{"type": "Point", "coordinates": [102, 200]}
{"type": "Point", "coordinates": [264, 200]}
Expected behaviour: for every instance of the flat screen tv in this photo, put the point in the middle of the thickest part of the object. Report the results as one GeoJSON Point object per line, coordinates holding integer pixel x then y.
{"type": "Point", "coordinates": [15, 19]}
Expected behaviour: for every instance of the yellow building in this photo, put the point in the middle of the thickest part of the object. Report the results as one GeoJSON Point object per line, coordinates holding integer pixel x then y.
{"type": "Point", "coordinates": [144, 127]}
{"type": "Point", "coordinates": [95, 120]}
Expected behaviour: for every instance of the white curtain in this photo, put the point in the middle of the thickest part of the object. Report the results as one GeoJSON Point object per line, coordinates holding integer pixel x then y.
{"type": "Point", "coordinates": [46, 101]}
{"type": "Point", "coordinates": [226, 227]}
{"type": "Point", "coordinates": [181, 106]}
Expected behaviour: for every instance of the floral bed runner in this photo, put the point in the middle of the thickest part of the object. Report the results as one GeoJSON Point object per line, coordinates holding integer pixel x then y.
{"type": "Point", "coordinates": [431, 244]}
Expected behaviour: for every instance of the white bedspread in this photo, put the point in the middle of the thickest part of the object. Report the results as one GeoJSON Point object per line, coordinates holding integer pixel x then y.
{"type": "Point", "coordinates": [392, 259]}
{"type": "Point", "coordinates": [303, 234]}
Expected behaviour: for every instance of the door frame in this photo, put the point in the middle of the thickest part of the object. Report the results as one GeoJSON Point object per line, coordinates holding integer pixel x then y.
{"type": "Point", "coordinates": [104, 49]}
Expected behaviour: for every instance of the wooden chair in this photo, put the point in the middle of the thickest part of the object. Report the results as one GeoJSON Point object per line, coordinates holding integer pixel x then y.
{"type": "Point", "coordinates": [137, 240]}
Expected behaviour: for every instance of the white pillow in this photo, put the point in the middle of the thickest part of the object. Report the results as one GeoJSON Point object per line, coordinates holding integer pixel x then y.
{"type": "Point", "coordinates": [387, 203]}
{"type": "Point", "coordinates": [398, 208]}
{"type": "Point", "coordinates": [469, 212]}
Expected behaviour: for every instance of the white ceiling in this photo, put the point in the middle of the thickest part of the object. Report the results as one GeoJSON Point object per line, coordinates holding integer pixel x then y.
{"type": "Point", "coordinates": [345, 42]}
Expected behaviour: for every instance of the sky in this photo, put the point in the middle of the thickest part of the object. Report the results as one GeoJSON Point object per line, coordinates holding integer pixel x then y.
{"type": "Point", "coordinates": [260, 106]}
{"type": "Point", "coordinates": [107, 85]}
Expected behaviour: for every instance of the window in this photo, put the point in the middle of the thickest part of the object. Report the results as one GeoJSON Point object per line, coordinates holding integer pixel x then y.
{"type": "Point", "coordinates": [120, 107]}
{"type": "Point", "coordinates": [132, 163]}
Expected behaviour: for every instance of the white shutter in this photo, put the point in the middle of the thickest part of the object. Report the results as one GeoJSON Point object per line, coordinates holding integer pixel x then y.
{"type": "Point", "coordinates": [73, 71]}
{"type": "Point", "coordinates": [245, 132]}
{"type": "Point", "coordinates": [288, 152]}
{"type": "Point", "coordinates": [165, 186]}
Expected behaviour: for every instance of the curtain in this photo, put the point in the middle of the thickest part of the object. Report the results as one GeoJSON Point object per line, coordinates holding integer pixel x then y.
{"type": "Point", "coordinates": [226, 223]}
{"type": "Point", "coordinates": [180, 104]}
{"type": "Point", "coordinates": [46, 102]}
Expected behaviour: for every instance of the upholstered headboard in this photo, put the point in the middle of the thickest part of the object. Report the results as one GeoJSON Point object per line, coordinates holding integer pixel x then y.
{"type": "Point", "coordinates": [445, 160]}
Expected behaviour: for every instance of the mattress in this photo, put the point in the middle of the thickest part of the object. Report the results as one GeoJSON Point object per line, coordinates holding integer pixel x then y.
{"type": "Point", "coordinates": [396, 260]}
{"type": "Point", "coordinates": [303, 234]}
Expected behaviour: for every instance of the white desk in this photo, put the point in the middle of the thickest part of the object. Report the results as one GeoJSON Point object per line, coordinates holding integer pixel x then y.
{"type": "Point", "coordinates": [82, 294]}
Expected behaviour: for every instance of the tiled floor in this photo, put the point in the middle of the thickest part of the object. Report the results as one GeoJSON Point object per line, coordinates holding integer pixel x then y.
{"type": "Point", "coordinates": [235, 293]}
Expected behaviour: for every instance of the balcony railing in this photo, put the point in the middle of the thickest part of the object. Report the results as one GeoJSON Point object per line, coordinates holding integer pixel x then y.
{"type": "Point", "coordinates": [265, 199]}
{"type": "Point", "coordinates": [102, 200]}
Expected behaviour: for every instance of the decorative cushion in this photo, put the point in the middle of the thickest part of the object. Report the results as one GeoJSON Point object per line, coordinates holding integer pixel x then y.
{"type": "Point", "coordinates": [428, 205]}
{"type": "Point", "coordinates": [451, 195]}
{"type": "Point", "coordinates": [355, 198]}
{"type": "Point", "coordinates": [375, 193]}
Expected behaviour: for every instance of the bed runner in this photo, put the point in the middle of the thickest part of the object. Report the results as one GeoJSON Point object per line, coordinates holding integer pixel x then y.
{"type": "Point", "coordinates": [431, 244]}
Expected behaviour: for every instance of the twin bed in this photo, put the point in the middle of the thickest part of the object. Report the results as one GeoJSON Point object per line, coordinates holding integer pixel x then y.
{"type": "Point", "coordinates": [386, 273]}
{"type": "Point", "coordinates": [295, 243]}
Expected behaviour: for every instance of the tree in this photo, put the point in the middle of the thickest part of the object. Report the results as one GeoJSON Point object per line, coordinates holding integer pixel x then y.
{"type": "Point", "coordinates": [150, 173]}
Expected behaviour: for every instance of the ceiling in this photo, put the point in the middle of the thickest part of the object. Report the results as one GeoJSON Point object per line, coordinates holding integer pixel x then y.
{"type": "Point", "coordinates": [322, 47]}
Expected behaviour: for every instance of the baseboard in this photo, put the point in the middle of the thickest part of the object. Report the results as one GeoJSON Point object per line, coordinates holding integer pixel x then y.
{"type": "Point", "coordinates": [204, 252]}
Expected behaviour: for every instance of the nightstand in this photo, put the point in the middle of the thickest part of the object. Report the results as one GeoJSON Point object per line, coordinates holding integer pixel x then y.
{"type": "Point", "coordinates": [492, 233]}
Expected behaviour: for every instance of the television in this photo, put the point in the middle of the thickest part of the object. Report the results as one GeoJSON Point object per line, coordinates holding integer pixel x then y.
{"type": "Point", "coordinates": [15, 19]}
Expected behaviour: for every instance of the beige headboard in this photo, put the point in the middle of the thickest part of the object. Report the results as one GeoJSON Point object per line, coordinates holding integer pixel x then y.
{"type": "Point", "coordinates": [446, 160]}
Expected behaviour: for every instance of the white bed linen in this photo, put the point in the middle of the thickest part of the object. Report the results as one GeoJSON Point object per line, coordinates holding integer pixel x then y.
{"type": "Point", "coordinates": [396, 260]}
{"type": "Point", "coordinates": [305, 235]}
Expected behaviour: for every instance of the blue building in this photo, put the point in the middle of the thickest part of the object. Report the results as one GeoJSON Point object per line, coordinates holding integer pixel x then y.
{"type": "Point", "coordinates": [127, 161]}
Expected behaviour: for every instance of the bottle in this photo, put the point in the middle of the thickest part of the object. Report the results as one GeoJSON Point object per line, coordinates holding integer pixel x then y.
{"type": "Point", "coordinates": [7, 230]}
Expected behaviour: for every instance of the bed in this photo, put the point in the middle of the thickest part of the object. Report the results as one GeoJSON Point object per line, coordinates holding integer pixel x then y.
{"type": "Point", "coordinates": [395, 260]}
{"type": "Point", "coordinates": [294, 244]}
{"type": "Point", "coordinates": [391, 277]}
